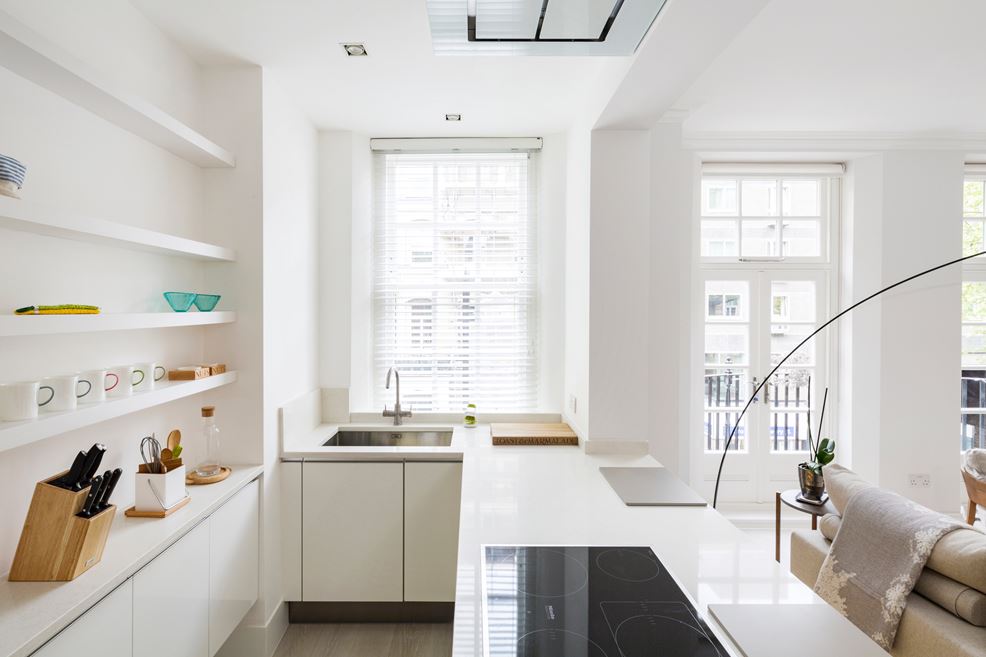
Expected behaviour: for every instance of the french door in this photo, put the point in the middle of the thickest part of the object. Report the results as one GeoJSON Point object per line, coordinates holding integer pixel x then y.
{"type": "Point", "coordinates": [752, 319]}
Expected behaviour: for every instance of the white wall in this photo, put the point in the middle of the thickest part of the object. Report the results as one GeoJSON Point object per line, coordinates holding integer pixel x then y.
{"type": "Point", "coordinates": [80, 163]}
{"type": "Point", "coordinates": [619, 285]}
{"type": "Point", "coordinates": [577, 270]}
{"type": "Point", "coordinates": [290, 301]}
{"type": "Point", "coordinates": [673, 177]}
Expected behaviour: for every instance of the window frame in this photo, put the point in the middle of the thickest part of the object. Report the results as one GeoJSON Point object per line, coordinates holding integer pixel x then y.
{"type": "Point", "coordinates": [531, 293]}
{"type": "Point", "coordinates": [827, 197]}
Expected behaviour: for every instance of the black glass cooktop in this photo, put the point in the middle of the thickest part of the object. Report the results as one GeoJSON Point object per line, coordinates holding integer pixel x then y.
{"type": "Point", "coordinates": [588, 602]}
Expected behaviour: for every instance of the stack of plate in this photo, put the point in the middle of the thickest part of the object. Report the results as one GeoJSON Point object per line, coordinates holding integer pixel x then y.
{"type": "Point", "coordinates": [12, 175]}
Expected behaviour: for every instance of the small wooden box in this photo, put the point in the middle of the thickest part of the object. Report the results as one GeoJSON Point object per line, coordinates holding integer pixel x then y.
{"type": "Point", "coordinates": [189, 375]}
{"type": "Point", "coordinates": [56, 545]}
{"type": "Point", "coordinates": [215, 368]}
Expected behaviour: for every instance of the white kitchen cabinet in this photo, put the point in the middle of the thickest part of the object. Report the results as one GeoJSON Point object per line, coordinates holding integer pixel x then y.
{"type": "Point", "coordinates": [291, 529]}
{"type": "Point", "coordinates": [106, 629]}
{"type": "Point", "coordinates": [352, 532]}
{"type": "Point", "coordinates": [234, 563]}
{"type": "Point", "coordinates": [171, 600]}
{"type": "Point", "coordinates": [432, 494]}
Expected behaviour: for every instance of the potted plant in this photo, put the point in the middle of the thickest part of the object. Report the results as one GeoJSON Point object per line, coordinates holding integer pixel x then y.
{"type": "Point", "coordinates": [822, 453]}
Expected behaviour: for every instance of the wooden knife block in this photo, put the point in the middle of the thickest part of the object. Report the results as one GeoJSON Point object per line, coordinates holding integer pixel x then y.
{"type": "Point", "coordinates": [56, 545]}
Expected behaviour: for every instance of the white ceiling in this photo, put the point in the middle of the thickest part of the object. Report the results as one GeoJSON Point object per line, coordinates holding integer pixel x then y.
{"type": "Point", "coordinates": [401, 88]}
{"type": "Point", "coordinates": [849, 66]}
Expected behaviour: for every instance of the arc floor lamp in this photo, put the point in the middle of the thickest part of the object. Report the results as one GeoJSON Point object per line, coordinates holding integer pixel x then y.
{"type": "Point", "coordinates": [763, 383]}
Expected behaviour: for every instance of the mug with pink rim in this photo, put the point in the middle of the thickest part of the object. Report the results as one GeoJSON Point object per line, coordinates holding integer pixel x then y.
{"type": "Point", "coordinates": [101, 381]}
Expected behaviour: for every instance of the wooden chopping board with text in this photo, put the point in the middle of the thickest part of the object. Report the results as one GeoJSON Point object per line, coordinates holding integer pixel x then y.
{"type": "Point", "coordinates": [533, 434]}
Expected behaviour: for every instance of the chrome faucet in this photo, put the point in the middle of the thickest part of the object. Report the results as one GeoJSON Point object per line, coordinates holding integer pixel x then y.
{"type": "Point", "coordinates": [397, 413]}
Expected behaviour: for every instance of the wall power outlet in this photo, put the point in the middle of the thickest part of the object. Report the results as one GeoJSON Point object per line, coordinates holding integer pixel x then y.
{"type": "Point", "coordinates": [919, 480]}
{"type": "Point", "coordinates": [573, 404]}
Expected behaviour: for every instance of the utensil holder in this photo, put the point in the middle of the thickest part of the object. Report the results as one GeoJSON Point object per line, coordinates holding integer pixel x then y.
{"type": "Point", "coordinates": [56, 545]}
{"type": "Point", "coordinates": [160, 492]}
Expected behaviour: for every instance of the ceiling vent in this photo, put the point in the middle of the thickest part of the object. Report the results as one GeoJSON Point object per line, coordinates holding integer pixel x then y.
{"type": "Point", "coordinates": [540, 27]}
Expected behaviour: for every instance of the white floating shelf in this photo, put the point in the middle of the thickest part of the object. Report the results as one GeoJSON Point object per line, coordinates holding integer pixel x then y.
{"type": "Point", "coordinates": [33, 57]}
{"type": "Point", "coordinates": [17, 434]}
{"type": "Point", "coordinates": [31, 218]}
{"type": "Point", "coordinates": [17, 325]}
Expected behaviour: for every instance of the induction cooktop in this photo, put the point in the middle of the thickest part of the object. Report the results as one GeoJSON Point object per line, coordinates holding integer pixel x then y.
{"type": "Point", "coordinates": [546, 601]}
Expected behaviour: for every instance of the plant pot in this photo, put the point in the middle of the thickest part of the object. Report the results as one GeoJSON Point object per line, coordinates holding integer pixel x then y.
{"type": "Point", "coordinates": [812, 483]}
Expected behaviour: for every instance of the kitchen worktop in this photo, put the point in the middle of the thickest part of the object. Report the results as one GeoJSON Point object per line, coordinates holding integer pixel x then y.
{"type": "Point", "coordinates": [556, 496]}
{"type": "Point", "coordinates": [33, 612]}
{"type": "Point", "coordinates": [308, 445]}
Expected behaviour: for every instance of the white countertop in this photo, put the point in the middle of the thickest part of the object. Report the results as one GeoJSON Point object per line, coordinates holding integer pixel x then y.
{"type": "Point", "coordinates": [308, 446]}
{"type": "Point", "coordinates": [556, 496]}
{"type": "Point", "coordinates": [33, 612]}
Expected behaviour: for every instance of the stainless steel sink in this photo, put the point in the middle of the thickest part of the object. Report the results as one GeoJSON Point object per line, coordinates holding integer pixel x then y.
{"type": "Point", "coordinates": [400, 438]}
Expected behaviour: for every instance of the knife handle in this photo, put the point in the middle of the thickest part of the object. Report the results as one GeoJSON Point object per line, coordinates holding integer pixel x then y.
{"type": "Point", "coordinates": [91, 498]}
{"type": "Point", "coordinates": [93, 458]}
{"type": "Point", "coordinates": [72, 477]}
{"type": "Point", "coordinates": [110, 480]}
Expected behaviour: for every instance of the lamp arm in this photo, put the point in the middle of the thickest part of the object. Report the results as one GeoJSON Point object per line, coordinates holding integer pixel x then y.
{"type": "Point", "coordinates": [732, 433]}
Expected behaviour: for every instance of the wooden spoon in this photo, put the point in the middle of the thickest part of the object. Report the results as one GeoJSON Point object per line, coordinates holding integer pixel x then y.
{"type": "Point", "coordinates": [174, 444]}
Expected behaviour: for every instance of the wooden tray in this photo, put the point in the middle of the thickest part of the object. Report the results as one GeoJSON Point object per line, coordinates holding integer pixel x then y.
{"type": "Point", "coordinates": [191, 479]}
{"type": "Point", "coordinates": [533, 434]}
{"type": "Point", "coordinates": [134, 513]}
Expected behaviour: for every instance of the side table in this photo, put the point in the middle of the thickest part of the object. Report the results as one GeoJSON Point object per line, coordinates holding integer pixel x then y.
{"type": "Point", "coordinates": [790, 498]}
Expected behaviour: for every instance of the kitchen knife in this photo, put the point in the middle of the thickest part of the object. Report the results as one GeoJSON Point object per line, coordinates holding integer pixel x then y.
{"type": "Point", "coordinates": [93, 458]}
{"type": "Point", "coordinates": [71, 479]}
{"type": "Point", "coordinates": [91, 497]}
{"type": "Point", "coordinates": [110, 480]}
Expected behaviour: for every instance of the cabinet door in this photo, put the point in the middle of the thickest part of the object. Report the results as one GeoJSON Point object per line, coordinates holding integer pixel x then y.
{"type": "Point", "coordinates": [171, 600]}
{"type": "Point", "coordinates": [106, 629]}
{"type": "Point", "coordinates": [234, 563]}
{"type": "Point", "coordinates": [352, 521]}
{"type": "Point", "coordinates": [432, 493]}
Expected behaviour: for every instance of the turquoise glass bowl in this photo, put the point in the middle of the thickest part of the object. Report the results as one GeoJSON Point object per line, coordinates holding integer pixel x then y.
{"type": "Point", "coordinates": [180, 301]}
{"type": "Point", "coordinates": [206, 302]}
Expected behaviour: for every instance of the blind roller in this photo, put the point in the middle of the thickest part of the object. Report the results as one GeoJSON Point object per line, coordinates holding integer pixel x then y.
{"type": "Point", "coordinates": [772, 168]}
{"type": "Point", "coordinates": [455, 276]}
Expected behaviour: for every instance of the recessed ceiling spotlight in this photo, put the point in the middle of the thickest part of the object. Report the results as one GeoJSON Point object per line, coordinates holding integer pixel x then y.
{"type": "Point", "coordinates": [355, 49]}
{"type": "Point", "coordinates": [453, 117]}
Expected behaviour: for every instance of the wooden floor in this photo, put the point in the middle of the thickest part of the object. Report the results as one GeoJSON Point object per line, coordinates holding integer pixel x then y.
{"type": "Point", "coordinates": [367, 640]}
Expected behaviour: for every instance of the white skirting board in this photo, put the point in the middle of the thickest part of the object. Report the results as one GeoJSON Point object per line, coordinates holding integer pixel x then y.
{"type": "Point", "coordinates": [258, 640]}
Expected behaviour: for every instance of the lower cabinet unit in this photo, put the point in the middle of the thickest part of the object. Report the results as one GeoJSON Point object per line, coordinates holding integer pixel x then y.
{"type": "Point", "coordinates": [171, 600]}
{"type": "Point", "coordinates": [234, 563]}
{"type": "Point", "coordinates": [377, 531]}
{"type": "Point", "coordinates": [352, 543]}
{"type": "Point", "coordinates": [106, 629]}
{"type": "Point", "coordinates": [432, 496]}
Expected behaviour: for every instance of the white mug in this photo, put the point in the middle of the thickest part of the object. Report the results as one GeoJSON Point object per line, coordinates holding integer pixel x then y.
{"type": "Point", "coordinates": [65, 392]}
{"type": "Point", "coordinates": [127, 378]}
{"type": "Point", "coordinates": [100, 382]}
{"type": "Point", "coordinates": [152, 374]}
{"type": "Point", "coordinates": [19, 401]}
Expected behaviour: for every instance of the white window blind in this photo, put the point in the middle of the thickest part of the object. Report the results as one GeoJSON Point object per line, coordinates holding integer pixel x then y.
{"type": "Point", "coordinates": [455, 289]}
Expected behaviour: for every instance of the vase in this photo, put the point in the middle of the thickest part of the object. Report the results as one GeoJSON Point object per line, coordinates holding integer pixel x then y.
{"type": "Point", "coordinates": [812, 483]}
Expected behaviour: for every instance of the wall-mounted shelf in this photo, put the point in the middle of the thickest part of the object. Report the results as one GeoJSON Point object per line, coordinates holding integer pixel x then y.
{"type": "Point", "coordinates": [33, 57]}
{"type": "Point", "coordinates": [30, 218]}
{"type": "Point", "coordinates": [14, 325]}
{"type": "Point", "coordinates": [17, 434]}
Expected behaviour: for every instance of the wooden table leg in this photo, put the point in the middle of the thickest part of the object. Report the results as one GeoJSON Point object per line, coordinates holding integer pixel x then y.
{"type": "Point", "coordinates": [777, 528]}
{"type": "Point", "coordinates": [814, 521]}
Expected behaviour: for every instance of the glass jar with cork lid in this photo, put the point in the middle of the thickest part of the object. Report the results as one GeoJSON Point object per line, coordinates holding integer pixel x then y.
{"type": "Point", "coordinates": [209, 466]}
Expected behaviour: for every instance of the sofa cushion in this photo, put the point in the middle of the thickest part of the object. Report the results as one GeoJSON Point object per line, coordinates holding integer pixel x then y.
{"type": "Point", "coordinates": [966, 603]}
{"type": "Point", "coordinates": [926, 630]}
{"type": "Point", "coordinates": [953, 588]}
{"type": "Point", "coordinates": [841, 484]}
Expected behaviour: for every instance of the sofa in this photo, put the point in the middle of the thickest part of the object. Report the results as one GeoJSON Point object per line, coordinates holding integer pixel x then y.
{"type": "Point", "coordinates": [945, 614]}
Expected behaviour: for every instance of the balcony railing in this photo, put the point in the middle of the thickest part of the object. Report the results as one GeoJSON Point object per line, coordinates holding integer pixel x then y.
{"type": "Point", "coordinates": [787, 395]}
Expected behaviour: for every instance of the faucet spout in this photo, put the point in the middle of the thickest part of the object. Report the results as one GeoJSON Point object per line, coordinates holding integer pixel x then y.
{"type": "Point", "coordinates": [397, 413]}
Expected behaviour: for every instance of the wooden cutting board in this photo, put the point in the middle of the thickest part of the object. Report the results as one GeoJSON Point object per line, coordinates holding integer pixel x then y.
{"type": "Point", "coordinates": [533, 434]}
